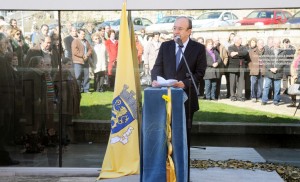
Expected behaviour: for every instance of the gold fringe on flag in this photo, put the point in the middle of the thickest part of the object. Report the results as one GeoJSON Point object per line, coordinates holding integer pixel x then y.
{"type": "Point", "coordinates": [170, 167]}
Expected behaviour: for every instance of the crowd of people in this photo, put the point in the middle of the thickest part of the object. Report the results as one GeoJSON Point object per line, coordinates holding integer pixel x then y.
{"type": "Point", "coordinates": [30, 75]}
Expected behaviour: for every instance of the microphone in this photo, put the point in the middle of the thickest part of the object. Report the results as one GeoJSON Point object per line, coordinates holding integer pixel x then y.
{"type": "Point", "coordinates": [178, 41]}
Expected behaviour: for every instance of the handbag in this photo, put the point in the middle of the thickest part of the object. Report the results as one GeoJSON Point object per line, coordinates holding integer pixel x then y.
{"type": "Point", "coordinates": [294, 89]}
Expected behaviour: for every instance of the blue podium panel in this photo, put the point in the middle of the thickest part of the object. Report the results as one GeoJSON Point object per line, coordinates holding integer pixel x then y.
{"type": "Point", "coordinates": [153, 136]}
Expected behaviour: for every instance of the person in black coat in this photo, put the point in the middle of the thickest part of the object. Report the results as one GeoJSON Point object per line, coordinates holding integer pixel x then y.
{"type": "Point", "coordinates": [165, 65]}
{"type": "Point", "coordinates": [238, 55]}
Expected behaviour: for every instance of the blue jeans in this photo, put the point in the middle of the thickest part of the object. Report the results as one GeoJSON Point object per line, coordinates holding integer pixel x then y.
{"type": "Point", "coordinates": [210, 88]}
{"type": "Point", "coordinates": [268, 85]}
{"type": "Point", "coordinates": [256, 86]}
{"type": "Point", "coordinates": [82, 76]}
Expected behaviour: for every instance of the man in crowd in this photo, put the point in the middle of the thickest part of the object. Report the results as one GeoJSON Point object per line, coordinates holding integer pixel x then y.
{"type": "Point", "coordinates": [274, 60]}
{"type": "Point", "coordinates": [44, 49]}
{"type": "Point", "coordinates": [81, 53]}
{"type": "Point", "coordinates": [68, 42]}
{"type": "Point", "coordinates": [238, 55]}
{"type": "Point", "coordinates": [41, 35]}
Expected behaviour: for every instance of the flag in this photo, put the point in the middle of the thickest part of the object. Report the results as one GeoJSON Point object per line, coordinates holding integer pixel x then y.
{"type": "Point", "coordinates": [122, 155]}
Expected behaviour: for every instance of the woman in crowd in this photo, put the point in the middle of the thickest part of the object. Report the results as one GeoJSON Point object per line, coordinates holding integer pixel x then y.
{"type": "Point", "coordinates": [18, 45]}
{"type": "Point", "coordinates": [257, 70]}
{"type": "Point", "coordinates": [100, 58]}
{"type": "Point", "coordinates": [112, 49]}
{"type": "Point", "coordinates": [212, 73]}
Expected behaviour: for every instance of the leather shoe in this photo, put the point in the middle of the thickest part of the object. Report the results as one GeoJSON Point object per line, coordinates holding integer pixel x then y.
{"type": "Point", "coordinates": [291, 105]}
{"type": "Point", "coordinates": [233, 98]}
{"type": "Point", "coordinates": [241, 99]}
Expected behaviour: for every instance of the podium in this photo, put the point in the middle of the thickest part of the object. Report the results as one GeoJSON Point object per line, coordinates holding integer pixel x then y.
{"type": "Point", "coordinates": [153, 136]}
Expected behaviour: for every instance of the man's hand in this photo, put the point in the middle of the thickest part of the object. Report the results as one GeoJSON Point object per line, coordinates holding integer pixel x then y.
{"type": "Point", "coordinates": [155, 84]}
{"type": "Point", "coordinates": [232, 54]}
{"type": "Point", "coordinates": [85, 57]}
{"type": "Point", "coordinates": [273, 70]}
{"type": "Point", "coordinates": [215, 64]}
{"type": "Point", "coordinates": [179, 84]}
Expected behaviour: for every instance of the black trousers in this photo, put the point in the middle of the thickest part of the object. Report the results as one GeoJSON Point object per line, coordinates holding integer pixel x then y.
{"type": "Point", "coordinates": [237, 83]}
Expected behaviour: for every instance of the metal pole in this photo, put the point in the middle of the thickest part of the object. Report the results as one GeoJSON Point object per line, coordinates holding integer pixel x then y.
{"type": "Point", "coordinates": [60, 93]}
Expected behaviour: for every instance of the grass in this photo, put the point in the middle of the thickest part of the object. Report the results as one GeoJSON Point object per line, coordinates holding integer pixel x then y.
{"type": "Point", "coordinates": [97, 106]}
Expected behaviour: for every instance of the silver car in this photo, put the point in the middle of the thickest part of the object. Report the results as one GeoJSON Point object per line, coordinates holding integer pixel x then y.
{"type": "Point", "coordinates": [215, 19]}
{"type": "Point", "coordinates": [138, 23]}
{"type": "Point", "coordinates": [165, 24]}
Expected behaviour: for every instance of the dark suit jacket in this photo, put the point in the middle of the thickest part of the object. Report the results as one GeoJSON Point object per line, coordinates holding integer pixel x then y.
{"type": "Point", "coordinates": [165, 66]}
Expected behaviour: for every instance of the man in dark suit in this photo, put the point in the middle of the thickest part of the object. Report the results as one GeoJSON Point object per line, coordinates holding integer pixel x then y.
{"type": "Point", "coordinates": [238, 56]}
{"type": "Point", "coordinates": [165, 65]}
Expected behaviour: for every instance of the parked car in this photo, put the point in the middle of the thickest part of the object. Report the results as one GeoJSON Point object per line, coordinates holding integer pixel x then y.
{"type": "Point", "coordinates": [215, 19]}
{"type": "Point", "coordinates": [138, 23]}
{"type": "Point", "coordinates": [165, 24]}
{"type": "Point", "coordinates": [266, 17]}
{"type": "Point", "coordinates": [294, 19]}
{"type": "Point", "coordinates": [78, 25]}
{"type": "Point", "coordinates": [105, 23]}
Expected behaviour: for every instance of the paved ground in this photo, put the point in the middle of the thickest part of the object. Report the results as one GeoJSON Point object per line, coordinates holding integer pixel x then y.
{"type": "Point", "coordinates": [270, 107]}
{"type": "Point", "coordinates": [54, 174]}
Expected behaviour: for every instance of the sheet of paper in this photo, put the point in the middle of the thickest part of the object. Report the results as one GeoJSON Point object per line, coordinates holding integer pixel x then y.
{"type": "Point", "coordinates": [165, 83]}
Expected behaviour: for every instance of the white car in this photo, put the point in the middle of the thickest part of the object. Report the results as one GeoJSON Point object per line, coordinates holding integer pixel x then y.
{"type": "Point", "coordinates": [165, 24]}
{"type": "Point", "coordinates": [138, 23]}
{"type": "Point", "coordinates": [215, 19]}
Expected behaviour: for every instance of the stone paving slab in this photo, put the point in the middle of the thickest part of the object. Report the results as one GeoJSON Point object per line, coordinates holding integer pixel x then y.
{"type": "Point", "coordinates": [233, 175]}
{"type": "Point", "coordinates": [226, 153]}
{"type": "Point", "coordinates": [203, 175]}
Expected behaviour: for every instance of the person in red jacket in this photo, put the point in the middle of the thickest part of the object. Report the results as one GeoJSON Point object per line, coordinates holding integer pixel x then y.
{"type": "Point", "coordinates": [112, 49]}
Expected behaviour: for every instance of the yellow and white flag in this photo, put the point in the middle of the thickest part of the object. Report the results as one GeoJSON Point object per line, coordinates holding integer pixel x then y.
{"type": "Point", "coordinates": [122, 155]}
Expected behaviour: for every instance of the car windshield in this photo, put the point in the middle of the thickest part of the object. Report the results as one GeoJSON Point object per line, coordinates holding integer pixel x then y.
{"type": "Point", "coordinates": [116, 23]}
{"type": "Point", "coordinates": [167, 19]}
{"type": "Point", "coordinates": [209, 15]}
{"type": "Point", "coordinates": [297, 15]}
{"type": "Point", "coordinates": [261, 14]}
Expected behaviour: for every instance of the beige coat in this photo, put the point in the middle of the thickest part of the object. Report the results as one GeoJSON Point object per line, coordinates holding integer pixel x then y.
{"type": "Point", "coordinates": [150, 53]}
{"type": "Point", "coordinates": [78, 51]}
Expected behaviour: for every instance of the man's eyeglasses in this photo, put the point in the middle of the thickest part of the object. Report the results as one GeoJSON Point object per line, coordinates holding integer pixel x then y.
{"type": "Point", "coordinates": [179, 28]}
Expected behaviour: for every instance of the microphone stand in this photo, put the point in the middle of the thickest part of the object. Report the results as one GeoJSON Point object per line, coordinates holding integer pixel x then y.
{"type": "Point", "coordinates": [189, 123]}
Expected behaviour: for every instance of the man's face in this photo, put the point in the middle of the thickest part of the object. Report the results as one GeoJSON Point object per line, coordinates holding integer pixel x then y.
{"type": "Point", "coordinates": [181, 29]}
{"type": "Point", "coordinates": [14, 24]}
{"type": "Point", "coordinates": [45, 30]}
{"type": "Point", "coordinates": [47, 65]}
{"type": "Point", "coordinates": [40, 64]}
{"type": "Point", "coordinates": [73, 32]}
{"type": "Point", "coordinates": [102, 32]}
{"type": "Point", "coordinates": [260, 44]}
{"type": "Point", "coordinates": [276, 43]}
{"type": "Point", "coordinates": [14, 61]}
{"type": "Point", "coordinates": [216, 42]}
{"type": "Point", "coordinates": [46, 44]}
{"type": "Point", "coordinates": [237, 41]}
{"type": "Point", "coordinates": [107, 28]}
{"type": "Point", "coordinates": [286, 45]}
{"type": "Point", "coordinates": [156, 37]}
{"type": "Point", "coordinates": [81, 35]}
